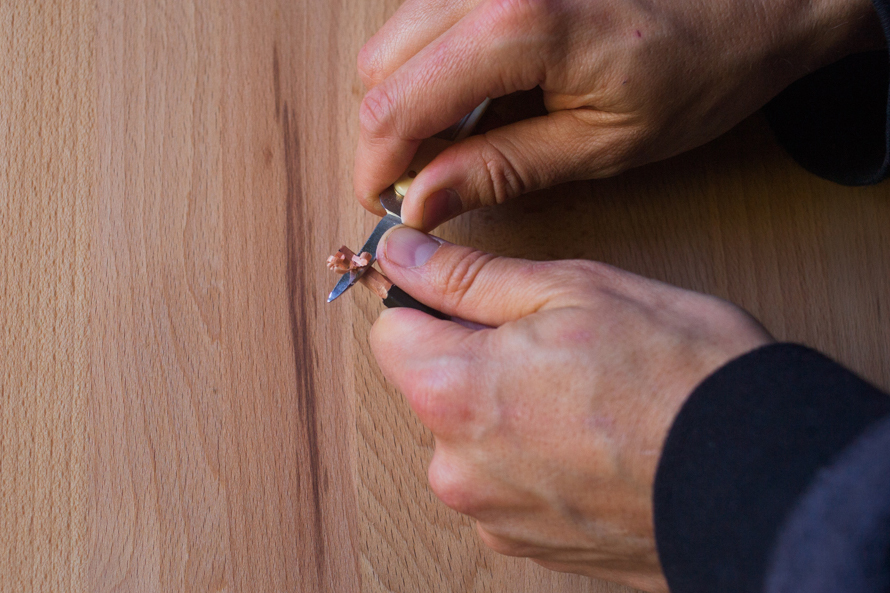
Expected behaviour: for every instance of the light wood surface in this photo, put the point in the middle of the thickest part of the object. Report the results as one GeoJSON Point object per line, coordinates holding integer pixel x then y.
{"type": "Point", "coordinates": [179, 409]}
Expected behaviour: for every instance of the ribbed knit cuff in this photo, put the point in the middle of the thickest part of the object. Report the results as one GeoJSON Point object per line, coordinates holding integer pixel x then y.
{"type": "Point", "coordinates": [739, 455]}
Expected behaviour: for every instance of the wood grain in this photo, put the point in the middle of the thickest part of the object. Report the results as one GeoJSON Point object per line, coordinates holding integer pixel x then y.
{"type": "Point", "coordinates": [179, 409]}
{"type": "Point", "coordinates": [47, 160]}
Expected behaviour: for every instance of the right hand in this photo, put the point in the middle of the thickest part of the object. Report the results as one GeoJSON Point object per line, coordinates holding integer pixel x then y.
{"type": "Point", "coordinates": [550, 423]}
{"type": "Point", "coordinates": [625, 82]}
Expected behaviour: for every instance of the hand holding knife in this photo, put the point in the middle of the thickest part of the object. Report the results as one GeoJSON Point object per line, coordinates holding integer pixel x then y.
{"type": "Point", "coordinates": [353, 267]}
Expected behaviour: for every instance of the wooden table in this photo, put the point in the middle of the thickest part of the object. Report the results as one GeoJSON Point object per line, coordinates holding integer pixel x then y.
{"type": "Point", "coordinates": [180, 410]}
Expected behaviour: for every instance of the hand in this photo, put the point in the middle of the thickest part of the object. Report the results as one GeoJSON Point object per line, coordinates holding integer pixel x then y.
{"type": "Point", "coordinates": [549, 426]}
{"type": "Point", "coordinates": [625, 83]}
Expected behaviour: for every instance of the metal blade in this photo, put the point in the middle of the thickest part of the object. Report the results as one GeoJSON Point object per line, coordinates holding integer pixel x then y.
{"type": "Point", "coordinates": [370, 246]}
{"type": "Point", "coordinates": [346, 280]}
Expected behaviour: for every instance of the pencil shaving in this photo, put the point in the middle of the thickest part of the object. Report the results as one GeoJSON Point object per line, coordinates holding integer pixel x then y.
{"type": "Point", "coordinates": [361, 260]}
{"type": "Point", "coordinates": [346, 261]}
{"type": "Point", "coordinates": [338, 263]}
{"type": "Point", "coordinates": [377, 282]}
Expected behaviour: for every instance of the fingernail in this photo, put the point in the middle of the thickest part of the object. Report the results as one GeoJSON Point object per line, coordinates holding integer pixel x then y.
{"type": "Point", "coordinates": [443, 205]}
{"type": "Point", "coordinates": [409, 248]}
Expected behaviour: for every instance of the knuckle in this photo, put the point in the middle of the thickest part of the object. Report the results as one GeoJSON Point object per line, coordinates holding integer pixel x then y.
{"type": "Point", "coordinates": [384, 338]}
{"type": "Point", "coordinates": [379, 337]}
{"type": "Point", "coordinates": [376, 112]}
{"type": "Point", "coordinates": [369, 68]}
{"type": "Point", "coordinates": [449, 487]}
{"type": "Point", "coordinates": [441, 54]}
{"type": "Point", "coordinates": [458, 278]}
{"type": "Point", "coordinates": [522, 22]}
{"type": "Point", "coordinates": [438, 395]}
{"type": "Point", "coordinates": [503, 178]}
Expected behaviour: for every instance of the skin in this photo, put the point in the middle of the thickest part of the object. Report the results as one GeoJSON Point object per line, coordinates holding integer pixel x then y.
{"type": "Point", "coordinates": [549, 425]}
{"type": "Point", "coordinates": [625, 82]}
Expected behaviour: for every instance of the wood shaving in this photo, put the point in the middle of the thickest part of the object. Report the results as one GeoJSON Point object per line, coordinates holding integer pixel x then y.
{"type": "Point", "coordinates": [338, 263]}
{"type": "Point", "coordinates": [346, 261]}
{"type": "Point", "coordinates": [362, 260]}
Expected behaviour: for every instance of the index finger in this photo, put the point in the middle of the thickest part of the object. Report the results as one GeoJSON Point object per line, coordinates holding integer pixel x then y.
{"type": "Point", "coordinates": [491, 52]}
{"type": "Point", "coordinates": [432, 362]}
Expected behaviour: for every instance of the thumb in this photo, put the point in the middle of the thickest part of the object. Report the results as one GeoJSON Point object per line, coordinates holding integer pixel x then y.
{"type": "Point", "coordinates": [506, 162]}
{"type": "Point", "coordinates": [472, 284]}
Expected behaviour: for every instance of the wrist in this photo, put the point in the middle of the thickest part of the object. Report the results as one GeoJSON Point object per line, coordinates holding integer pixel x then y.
{"type": "Point", "coordinates": [805, 37]}
{"type": "Point", "coordinates": [841, 28]}
{"type": "Point", "coordinates": [869, 33]}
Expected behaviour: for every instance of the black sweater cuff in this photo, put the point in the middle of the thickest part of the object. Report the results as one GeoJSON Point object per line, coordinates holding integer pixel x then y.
{"type": "Point", "coordinates": [740, 454]}
{"type": "Point", "coordinates": [836, 121]}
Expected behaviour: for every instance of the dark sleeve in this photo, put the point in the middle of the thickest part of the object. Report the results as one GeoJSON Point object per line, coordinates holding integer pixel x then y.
{"type": "Point", "coordinates": [836, 122]}
{"type": "Point", "coordinates": [763, 453]}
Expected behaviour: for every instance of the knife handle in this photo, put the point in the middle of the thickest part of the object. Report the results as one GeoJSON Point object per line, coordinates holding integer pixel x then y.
{"type": "Point", "coordinates": [399, 298]}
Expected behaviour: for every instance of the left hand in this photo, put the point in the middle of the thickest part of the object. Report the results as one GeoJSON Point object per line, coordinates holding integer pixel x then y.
{"type": "Point", "coordinates": [625, 83]}
{"type": "Point", "coordinates": [549, 426]}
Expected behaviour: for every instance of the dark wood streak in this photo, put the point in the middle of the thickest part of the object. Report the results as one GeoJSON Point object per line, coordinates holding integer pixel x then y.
{"type": "Point", "coordinates": [276, 81]}
{"type": "Point", "coordinates": [298, 287]}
